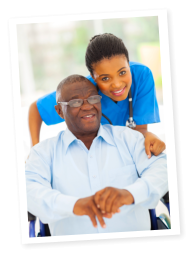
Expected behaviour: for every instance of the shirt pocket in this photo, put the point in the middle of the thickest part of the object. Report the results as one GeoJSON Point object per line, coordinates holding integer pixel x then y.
{"type": "Point", "coordinates": [123, 176]}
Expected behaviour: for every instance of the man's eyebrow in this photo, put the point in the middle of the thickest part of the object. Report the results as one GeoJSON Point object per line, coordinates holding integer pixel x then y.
{"type": "Point", "coordinates": [74, 97]}
{"type": "Point", "coordinates": [108, 74]}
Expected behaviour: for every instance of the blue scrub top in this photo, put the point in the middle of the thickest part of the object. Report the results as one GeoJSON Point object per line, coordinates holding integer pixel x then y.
{"type": "Point", "coordinates": [145, 106]}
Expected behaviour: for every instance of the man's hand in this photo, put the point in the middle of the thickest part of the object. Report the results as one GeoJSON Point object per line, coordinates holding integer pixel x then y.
{"type": "Point", "coordinates": [153, 144]}
{"type": "Point", "coordinates": [87, 206]}
{"type": "Point", "coordinates": [110, 199]}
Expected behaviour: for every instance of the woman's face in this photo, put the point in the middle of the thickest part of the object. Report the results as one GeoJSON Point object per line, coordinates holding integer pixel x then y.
{"type": "Point", "coordinates": [113, 77]}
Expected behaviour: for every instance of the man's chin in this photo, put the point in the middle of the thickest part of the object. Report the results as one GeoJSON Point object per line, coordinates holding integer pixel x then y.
{"type": "Point", "coordinates": [90, 127]}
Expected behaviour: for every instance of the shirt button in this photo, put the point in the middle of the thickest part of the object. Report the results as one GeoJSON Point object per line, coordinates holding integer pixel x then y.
{"type": "Point", "coordinates": [91, 156]}
{"type": "Point", "coordinates": [94, 176]}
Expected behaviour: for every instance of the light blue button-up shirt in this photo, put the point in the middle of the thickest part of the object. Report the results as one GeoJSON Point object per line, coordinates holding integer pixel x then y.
{"type": "Point", "coordinates": [61, 170]}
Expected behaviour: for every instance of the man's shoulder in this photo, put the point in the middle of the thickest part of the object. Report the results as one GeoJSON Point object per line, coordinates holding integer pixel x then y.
{"type": "Point", "coordinates": [49, 143]}
{"type": "Point", "coordinates": [121, 131]}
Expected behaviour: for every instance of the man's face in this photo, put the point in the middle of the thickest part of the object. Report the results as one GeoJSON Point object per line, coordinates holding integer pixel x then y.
{"type": "Point", "coordinates": [85, 118]}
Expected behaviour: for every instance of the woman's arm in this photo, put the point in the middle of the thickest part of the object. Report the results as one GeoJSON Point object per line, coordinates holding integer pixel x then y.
{"type": "Point", "coordinates": [35, 122]}
{"type": "Point", "coordinates": [152, 142]}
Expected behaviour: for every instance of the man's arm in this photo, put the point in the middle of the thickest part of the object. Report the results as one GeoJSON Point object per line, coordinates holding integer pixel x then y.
{"type": "Point", "coordinates": [44, 202]}
{"type": "Point", "coordinates": [151, 185]}
{"type": "Point", "coordinates": [48, 204]}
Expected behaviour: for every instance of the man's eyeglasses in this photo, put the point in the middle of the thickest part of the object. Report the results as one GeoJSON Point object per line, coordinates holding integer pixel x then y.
{"type": "Point", "coordinates": [94, 99]}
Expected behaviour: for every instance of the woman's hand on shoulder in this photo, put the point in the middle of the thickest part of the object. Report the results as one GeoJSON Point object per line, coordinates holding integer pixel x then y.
{"type": "Point", "coordinates": [153, 144]}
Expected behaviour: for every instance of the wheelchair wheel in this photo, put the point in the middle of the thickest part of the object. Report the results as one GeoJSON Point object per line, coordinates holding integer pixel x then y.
{"type": "Point", "coordinates": [163, 222]}
{"type": "Point", "coordinates": [39, 235]}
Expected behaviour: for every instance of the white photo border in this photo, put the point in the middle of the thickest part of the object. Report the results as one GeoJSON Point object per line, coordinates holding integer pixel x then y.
{"type": "Point", "coordinates": [168, 117]}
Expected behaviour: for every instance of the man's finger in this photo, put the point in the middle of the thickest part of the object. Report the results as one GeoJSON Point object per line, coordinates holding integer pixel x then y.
{"type": "Point", "coordinates": [99, 216]}
{"type": "Point", "coordinates": [91, 215]}
{"type": "Point", "coordinates": [107, 215]}
{"type": "Point", "coordinates": [97, 197]}
{"type": "Point", "coordinates": [116, 204]}
{"type": "Point", "coordinates": [103, 198]}
{"type": "Point", "coordinates": [109, 202]}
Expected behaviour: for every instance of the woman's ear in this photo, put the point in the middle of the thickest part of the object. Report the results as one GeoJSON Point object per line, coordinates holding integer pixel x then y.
{"type": "Point", "coordinates": [59, 111]}
{"type": "Point", "coordinates": [92, 76]}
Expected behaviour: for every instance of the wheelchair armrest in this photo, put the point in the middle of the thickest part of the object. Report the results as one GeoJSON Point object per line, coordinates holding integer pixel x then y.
{"type": "Point", "coordinates": [31, 217]}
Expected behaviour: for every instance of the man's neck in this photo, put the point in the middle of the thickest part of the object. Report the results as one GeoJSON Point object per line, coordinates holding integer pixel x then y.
{"type": "Point", "coordinates": [87, 138]}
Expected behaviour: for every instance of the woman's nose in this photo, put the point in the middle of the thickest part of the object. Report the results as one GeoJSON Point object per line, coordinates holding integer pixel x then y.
{"type": "Point", "coordinates": [116, 84]}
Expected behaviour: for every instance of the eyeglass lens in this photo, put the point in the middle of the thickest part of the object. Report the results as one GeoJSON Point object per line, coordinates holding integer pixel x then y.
{"type": "Point", "coordinates": [91, 100]}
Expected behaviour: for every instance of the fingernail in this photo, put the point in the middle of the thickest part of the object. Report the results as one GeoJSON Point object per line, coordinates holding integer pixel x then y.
{"type": "Point", "coordinates": [104, 226]}
{"type": "Point", "coordinates": [98, 206]}
{"type": "Point", "coordinates": [103, 211]}
{"type": "Point", "coordinates": [148, 156]}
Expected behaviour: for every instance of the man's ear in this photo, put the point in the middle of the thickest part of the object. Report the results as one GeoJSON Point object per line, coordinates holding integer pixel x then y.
{"type": "Point", "coordinates": [59, 111]}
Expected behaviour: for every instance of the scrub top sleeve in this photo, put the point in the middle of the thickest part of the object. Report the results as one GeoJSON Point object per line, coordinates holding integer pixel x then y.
{"type": "Point", "coordinates": [145, 109]}
{"type": "Point", "coordinates": [46, 109]}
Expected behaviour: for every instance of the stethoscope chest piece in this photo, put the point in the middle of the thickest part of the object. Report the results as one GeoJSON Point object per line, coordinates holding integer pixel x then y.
{"type": "Point", "coordinates": [130, 123]}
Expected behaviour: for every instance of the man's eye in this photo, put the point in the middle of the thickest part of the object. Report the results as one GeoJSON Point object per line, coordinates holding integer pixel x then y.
{"type": "Point", "coordinates": [105, 79]}
{"type": "Point", "coordinates": [122, 72]}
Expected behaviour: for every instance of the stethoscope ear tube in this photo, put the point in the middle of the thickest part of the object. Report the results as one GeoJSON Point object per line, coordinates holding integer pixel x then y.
{"type": "Point", "coordinates": [107, 118]}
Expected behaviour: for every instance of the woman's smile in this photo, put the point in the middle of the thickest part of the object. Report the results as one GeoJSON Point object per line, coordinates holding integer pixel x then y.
{"type": "Point", "coordinates": [119, 92]}
{"type": "Point", "coordinates": [113, 77]}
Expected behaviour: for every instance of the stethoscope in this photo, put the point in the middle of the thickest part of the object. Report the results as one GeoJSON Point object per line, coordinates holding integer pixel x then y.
{"type": "Point", "coordinates": [130, 122]}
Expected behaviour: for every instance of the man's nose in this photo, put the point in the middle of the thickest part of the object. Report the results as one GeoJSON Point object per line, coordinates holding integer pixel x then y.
{"type": "Point", "coordinates": [86, 105]}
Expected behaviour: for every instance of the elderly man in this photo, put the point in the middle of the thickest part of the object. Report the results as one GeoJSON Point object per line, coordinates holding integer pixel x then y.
{"type": "Point", "coordinates": [91, 172]}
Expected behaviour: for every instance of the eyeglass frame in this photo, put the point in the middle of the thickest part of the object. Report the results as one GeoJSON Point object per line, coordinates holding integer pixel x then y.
{"type": "Point", "coordinates": [67, 103]}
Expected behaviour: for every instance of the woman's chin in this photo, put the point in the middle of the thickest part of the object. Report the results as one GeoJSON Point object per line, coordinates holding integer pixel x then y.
{"type": "Point", "coordinates": [119, 98]}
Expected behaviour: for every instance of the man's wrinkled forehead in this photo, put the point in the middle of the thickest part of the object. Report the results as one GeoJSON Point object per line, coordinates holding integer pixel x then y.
{"type": "Point", "coordinates": [78, 90]}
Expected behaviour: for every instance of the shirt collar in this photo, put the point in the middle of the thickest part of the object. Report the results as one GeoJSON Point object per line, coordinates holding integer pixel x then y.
{"type": "Point", "coordinates": [69, 137]}
{"type": "Point", "coordinates": [105, 135]}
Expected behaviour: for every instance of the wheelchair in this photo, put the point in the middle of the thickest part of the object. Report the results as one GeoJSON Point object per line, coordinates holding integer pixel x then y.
{"type": "Point", "coordinates": [161, 222]}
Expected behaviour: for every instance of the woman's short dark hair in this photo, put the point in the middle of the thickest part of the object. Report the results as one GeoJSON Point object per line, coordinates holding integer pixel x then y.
{"type": "Point", "coordinates": [104, 46]}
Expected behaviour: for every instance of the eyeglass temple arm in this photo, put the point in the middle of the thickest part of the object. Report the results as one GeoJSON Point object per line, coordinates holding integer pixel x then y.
{"type": "Point", "coordinates": [64, 103]}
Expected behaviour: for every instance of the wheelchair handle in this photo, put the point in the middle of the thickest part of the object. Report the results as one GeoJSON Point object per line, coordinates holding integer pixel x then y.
{"type": "Point", "coordinates": [31, 217]}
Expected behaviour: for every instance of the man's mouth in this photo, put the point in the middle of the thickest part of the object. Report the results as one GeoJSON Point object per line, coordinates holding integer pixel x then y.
{"type": "Point", "coordinates": [119, 92]}
{"type": "Point", "coordinates": [89, 117]}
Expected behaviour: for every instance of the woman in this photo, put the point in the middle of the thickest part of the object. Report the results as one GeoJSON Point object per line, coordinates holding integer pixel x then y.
{"type": "Point", "coordinates": [107, 60]}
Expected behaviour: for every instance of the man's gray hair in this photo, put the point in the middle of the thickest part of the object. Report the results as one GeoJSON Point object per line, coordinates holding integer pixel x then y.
{"type": "Point", "coordinates": [68, 81]}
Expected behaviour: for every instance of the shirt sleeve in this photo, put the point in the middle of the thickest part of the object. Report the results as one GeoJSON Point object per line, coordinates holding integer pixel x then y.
{"type": "Point", "coordinates": [46, 109]}
{"type": "Point", "coordinates": [145, 107]}
{"type": "Point", "coordinates": [48, 204]}
{"type": "Point", "coordinates": [152, 183]}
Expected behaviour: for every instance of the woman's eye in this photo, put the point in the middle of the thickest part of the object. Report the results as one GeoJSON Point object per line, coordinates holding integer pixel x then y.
{"type": "Point", "coordinates": [122, 72]}
{"type": "Point", "coordinates": [105, 79]}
